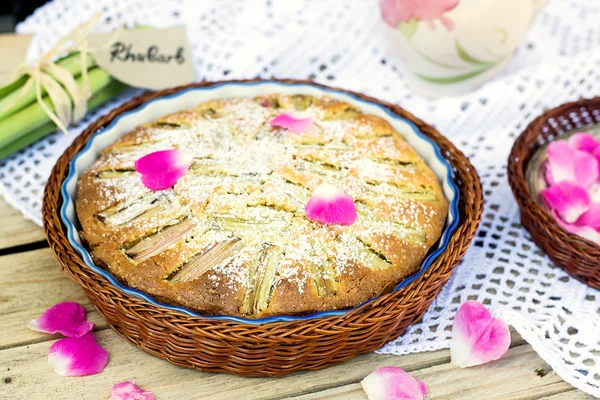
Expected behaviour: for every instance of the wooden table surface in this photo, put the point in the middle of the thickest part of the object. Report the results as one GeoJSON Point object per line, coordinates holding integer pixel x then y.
{"type": "Point", "coordinates": [31, 281]}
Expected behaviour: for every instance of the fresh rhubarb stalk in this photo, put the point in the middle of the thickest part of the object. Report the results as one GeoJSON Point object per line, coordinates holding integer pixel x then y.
{"type": "Point", "coordinates": [109, 91]}
{"type": "Point", "coordinates": [14, 100]}
{"type": "Point", "coordinates": [33, 116]}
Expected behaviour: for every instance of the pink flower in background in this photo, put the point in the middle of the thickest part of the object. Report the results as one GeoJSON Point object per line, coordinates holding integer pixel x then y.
{"type": "Point", "coordinates": [568, 199]}
{"type": "Point", "coordinates": [396, 11]}
{"type": "Point", "coordinates": [567, 163]}
{"type": "Point", "coordinates": [583, 226]}
{"type": "Point", "coordinates": [573, 177]}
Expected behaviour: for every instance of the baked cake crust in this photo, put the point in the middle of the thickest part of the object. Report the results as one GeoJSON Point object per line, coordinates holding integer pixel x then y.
{"type": "Point", "coordinates": [231, 238]}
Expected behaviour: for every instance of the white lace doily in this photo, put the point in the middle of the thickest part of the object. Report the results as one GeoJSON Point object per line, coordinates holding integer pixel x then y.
{"type": "Point", "coordinates": [340, 43]}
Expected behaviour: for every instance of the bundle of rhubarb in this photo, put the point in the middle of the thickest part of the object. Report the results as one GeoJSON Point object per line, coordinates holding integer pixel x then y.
{"type": "Point", "coordinates": [53, 92]}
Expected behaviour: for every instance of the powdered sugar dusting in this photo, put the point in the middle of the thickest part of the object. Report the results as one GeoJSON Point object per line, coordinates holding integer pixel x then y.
{"type": "Point", "coordinates": [251, 181]}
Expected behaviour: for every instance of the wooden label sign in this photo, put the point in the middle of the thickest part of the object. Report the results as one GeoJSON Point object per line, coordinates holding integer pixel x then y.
{"type": "Point", "coordinates": [146, 58]}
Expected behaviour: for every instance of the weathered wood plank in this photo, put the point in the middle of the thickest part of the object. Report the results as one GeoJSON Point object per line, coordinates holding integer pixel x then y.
{"type": "Point", "coordinates": [15, 230]}
{"type": "Point", "coordinates": [30, 376]}
{"type": "Point", "coordinates": [570, 395]}
{"type": "Point", "coordinates": [31, 282]}
{"type": "Point", "coordinates": [510, 378]}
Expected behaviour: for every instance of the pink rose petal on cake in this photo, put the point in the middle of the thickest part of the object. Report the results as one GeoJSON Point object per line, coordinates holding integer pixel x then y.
{"type": "Point", "coordinates": [568, 199]}
{"type": "Point", "coordinates": [163, 161]}
{"type": "Point", "coordinates": [162, 169]}
{"type": "Point", "coordinates": [66, 318]}
{"type": "Point", "coordinates": [584, 142]}
{"type": "Point", "coordinates": [291, 123]}
{"type": "Point", "coordinates": [128, 390]}
{"type": "Point", "coordinates": [391, 383]}
{"type": "Point", "coordinates": [477, 337]}
{"type": "Point", "coordinates": [162, 181]}
{"type": "Point", "coordinates": [79, 356]}
{"type": "Point", "coordinates": [330, 205]}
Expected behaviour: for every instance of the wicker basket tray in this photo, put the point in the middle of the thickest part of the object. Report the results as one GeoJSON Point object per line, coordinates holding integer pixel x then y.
{"type": "Point", "coordinates": [275, 348]}
{"type": "Point", "coordinates": [578, 257]}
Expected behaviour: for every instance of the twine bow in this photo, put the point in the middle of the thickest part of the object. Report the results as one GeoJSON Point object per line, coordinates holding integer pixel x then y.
{"type": "Point", "coordinates": [68, 98]}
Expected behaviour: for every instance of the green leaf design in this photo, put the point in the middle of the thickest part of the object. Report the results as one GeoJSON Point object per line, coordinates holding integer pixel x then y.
{"type": "Point", "coordinates": [447, 80]}
{"type": "Point", "coordinates": [438, 63]}
{"type": "Point", "coordinates": [466, 57]}
{"type": "Point", "coordinates": [502, 33]}
{"type": "Point", "coordinates": [409, 28]}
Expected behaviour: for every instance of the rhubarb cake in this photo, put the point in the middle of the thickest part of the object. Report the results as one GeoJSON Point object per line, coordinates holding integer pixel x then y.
{"type": "Point", "coordinates": [232, 236]}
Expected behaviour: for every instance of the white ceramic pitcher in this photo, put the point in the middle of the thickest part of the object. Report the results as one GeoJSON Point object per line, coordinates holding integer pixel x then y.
{"type": "Point", "coordinates": [451, 47]}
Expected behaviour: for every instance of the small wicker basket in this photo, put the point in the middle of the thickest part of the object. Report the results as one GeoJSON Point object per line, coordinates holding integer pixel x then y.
{"type": "Point", "coordinates": [268, 349]}
{"type": "Point", "coordinates": [580, 258]}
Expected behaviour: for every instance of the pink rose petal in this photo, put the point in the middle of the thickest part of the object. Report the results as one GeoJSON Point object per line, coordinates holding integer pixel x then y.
{"type": "Point", "coordinates": [597, 155]}
{"type": "Point", "coordinates": [594, 192]}
{"type": "Point", "coordinates": [568, 199]}
{"type": "Point", "coordinates": [66, 318]}
{"type": "Point", "coordinates": [560, 161]}
{"type": "Point", "coordinates": [477, 337]}
{"type": "Point", "coordinates": [330, 205]}
{"type": "Point", "coordinates": [585, 168]}
{"type": "Point", "coordinates": [163, 161]}
{"type": "Point", "coordinates": [591, 217]}
{"type": "Point", "coordinates": [568, 164]}
{"type": "Point", "coordinates": [162, 181]}
{"type": "Point", "coordinates": [128, 390]}
{"type": "Point", "coordinates": [584, 142]}
{"type": "Point", "coordinates": [585, 232]}
{"type": "Point", "coordinates": [79, 356]}
{"type": "Point", "coordinates": [391, 383]}
{"type": "Point", "coordinates": [291, 123]}
{"type": "Point", "coordinates": [162, 169]}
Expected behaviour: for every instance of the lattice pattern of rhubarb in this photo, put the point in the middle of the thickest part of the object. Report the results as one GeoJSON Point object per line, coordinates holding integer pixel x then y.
{"type": "Point", "coordinates": [242, 201]}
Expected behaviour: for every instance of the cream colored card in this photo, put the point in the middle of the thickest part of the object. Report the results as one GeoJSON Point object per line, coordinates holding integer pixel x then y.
{"type": "Point", "coordinates": [146, 58]}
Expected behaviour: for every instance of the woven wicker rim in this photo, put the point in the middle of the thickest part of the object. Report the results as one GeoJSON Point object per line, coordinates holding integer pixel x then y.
{"type": "Point", "coordinates": [428, 261]}
{"type": "Point", "coordinates": [579, 257]}
{"type": "Point", "coordinates": [268, 349]}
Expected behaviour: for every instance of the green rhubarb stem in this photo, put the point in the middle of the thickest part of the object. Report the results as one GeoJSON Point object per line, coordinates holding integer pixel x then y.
{"type": "Point", "coordinates": [14, 100]}
{"type": "Point", "coordinates": [104, 94]}
{"type": "Point", "coordinates": [33, 116]}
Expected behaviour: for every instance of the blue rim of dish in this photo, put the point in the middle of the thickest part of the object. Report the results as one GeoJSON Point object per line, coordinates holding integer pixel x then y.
{"type": "Point", "coordinates": [442, 246]}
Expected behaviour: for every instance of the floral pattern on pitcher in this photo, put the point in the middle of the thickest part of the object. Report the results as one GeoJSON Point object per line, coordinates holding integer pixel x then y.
{"type": "Point", "coordinates": [410, 12]}
{"type": "Point", "coordinates": [405, 16]}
